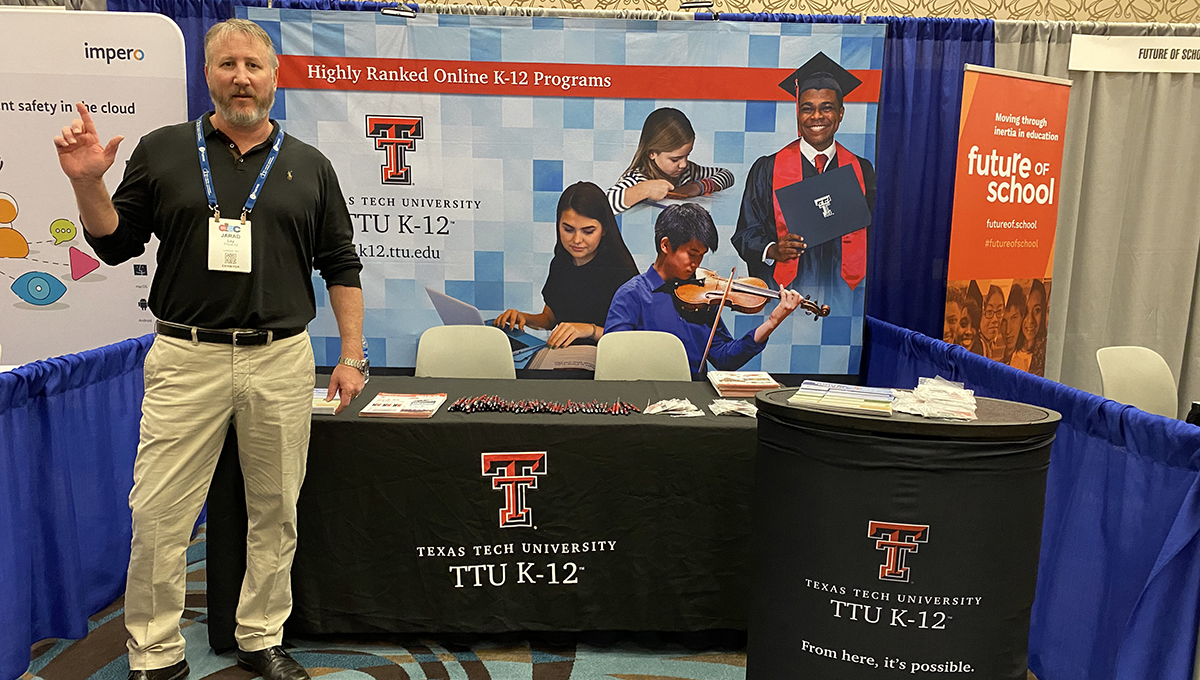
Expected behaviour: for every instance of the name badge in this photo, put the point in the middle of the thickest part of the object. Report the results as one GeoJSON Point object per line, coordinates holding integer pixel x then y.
{"type": "Point", "coordinates": [228, 245]}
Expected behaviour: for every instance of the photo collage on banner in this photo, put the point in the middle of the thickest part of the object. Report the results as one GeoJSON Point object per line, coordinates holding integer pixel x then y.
{"type": "Point", "coordinates": [1002, 319]}
{"type": "Point", "coordinates": [455, 137]}
{"type": "Point", "coordinates": [1008, 177]}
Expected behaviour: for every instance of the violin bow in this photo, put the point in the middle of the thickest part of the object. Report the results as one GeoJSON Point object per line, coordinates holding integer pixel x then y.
{"type": "Point", "coordinates": [717, 319]}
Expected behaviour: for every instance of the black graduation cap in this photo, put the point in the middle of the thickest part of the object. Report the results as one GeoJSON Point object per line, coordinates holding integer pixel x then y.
{"type": "Point", "coordinates": [819, 73]}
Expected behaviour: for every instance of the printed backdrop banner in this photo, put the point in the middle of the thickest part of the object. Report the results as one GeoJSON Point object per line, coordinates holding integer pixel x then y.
{"type": "Point", "coordinates": [55, 297]}
{"type": "Point", "coordinates": [454, 136]}
{"type": "Point", "coordinates": [1010, 147]}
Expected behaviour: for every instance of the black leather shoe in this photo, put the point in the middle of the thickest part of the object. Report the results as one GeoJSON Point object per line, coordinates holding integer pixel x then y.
{"type": "Point", "coordinates": [273, 664]}
{"type": "Point", "coordinates": [178, 671]}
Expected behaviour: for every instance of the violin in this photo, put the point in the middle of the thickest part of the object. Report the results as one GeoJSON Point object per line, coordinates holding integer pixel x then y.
{"type": "Point", "coordinates": [747, 294]}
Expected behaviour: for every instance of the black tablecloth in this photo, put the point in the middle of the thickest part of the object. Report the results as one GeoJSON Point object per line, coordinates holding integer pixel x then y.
{"type": "Point", "coordinates": [895, 546]}
{"type": "Point", "coordinates": [638, 522]}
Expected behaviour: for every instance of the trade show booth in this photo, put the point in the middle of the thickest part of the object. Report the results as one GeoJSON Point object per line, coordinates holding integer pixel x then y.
{"type": "Point", "coordinates": [455, 132]}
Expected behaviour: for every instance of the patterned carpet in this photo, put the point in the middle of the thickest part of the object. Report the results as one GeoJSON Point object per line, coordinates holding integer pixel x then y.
{"type": "Point", "coordinates": [101, 655]}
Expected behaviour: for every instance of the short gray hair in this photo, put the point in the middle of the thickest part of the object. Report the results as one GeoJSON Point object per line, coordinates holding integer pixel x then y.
{"type": "Point", "coordinates": [245, 27]}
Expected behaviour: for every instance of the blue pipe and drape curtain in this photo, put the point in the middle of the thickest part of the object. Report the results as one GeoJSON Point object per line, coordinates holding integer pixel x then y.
{"type": "Point", "coordinates": [1118, 582]}
{"type": "Point", "coordinates": [920, 100]}
{"type": "Point", "coordinates": [68, 437]}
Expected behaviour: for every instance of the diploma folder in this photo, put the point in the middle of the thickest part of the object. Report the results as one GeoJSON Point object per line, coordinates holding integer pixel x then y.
{"type": "Point", "coordinates": [825, 206]}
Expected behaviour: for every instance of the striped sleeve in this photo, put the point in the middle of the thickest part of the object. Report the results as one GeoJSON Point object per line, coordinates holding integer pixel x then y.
{"type": "Point", "coordinates": [616, 193]}
{"type": "Point", "coordinates": [714, 179]}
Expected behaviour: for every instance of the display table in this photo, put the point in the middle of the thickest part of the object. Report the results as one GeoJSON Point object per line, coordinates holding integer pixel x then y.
{"type": "Point", "coordinates": [631, 522]}
{"type": "Point", "coordinates": [889, 546]}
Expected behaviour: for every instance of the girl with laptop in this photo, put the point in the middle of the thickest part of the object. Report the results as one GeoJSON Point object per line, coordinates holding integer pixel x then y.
{"type": "Point", "coordinates": [590, 263]}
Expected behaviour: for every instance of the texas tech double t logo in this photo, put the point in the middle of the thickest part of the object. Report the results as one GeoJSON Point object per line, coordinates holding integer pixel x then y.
{"type": "Point", "coordinates": [897, 540]}
{"type": "Point", "coordinates": [514, 473]}
{"type": "Point", "coordinates": [395, 135]}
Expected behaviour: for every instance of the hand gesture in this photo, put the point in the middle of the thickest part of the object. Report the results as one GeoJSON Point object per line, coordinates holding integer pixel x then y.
{"type": "Point", "coordinates": [566, 333]}
{"type": "Point", "coordinates": [689, 190]}
{"type": "Point", "coordinates": [511, 319]}
{"type": "Point", "coordinates": [789, 300]}
{"type": "Point", "coordinates": [656, 189]}
{"type": "Point", "coordinates": [346, 382]}
{"type": "Point", "coordinates": [79, 150]}
{"type": "Point", "coordinates": [790, 247]}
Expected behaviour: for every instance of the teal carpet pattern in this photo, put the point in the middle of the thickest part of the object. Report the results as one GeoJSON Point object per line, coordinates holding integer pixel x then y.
{"type": "Point", "coordinates": [101, 655]}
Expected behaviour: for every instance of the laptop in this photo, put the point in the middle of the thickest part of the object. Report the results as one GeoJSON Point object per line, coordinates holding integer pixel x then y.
{"type": "Point", "coordinates": [827, 206]}
{"type": "Point", "coordinates": [454, 312]}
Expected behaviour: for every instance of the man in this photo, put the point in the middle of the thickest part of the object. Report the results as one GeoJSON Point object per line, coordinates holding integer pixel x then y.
{"type": "Point", "coordinates": [233, 293]}
{"type": "Point", "coordinates": [647, 302]}
{"type": "Point", "coordinates": [772, 249]}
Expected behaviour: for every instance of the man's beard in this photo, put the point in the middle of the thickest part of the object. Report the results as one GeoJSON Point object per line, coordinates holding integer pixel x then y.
{"type": "Point", "coordinates": [238, 117]}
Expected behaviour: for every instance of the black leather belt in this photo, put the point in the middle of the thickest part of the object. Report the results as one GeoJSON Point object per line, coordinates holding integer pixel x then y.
{"type": "Point", "coordinates": [240, 338]}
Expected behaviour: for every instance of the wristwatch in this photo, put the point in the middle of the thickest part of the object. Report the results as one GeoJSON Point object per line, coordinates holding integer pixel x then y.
{"type": "Point", "coordinates": [363, 365]}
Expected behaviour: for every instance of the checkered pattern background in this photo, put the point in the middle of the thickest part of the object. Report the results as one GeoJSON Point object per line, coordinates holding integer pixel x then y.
{"type": "Point", "coordinates": [516, 154]}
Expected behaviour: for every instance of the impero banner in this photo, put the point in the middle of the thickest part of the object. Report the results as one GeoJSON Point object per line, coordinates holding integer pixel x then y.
{"type": "Point", "coordinates": [454, 138]}
{"type": "Point", "coordinates": [1010, 148]}
{"type": "Point", "coordinates": [127, 68]}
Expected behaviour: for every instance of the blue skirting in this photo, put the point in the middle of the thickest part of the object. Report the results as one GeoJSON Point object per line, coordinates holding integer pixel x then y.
{"type": "Point", "coordinates": [68, 437]}
{"type": "Point", "coordinates": [1118, 586]}
{"type": "Point", "coordinates": [1118, 593]}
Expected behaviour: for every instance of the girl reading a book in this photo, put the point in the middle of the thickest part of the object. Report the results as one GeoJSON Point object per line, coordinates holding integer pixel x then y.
{"type": "Point", "coordinates": [661, 169]}
{"type": "Point", "coordinates": [590, 263]}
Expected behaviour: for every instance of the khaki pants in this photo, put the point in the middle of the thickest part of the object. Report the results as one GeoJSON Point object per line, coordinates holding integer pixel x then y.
{"type": "Point", "coordinates": [193, 390]}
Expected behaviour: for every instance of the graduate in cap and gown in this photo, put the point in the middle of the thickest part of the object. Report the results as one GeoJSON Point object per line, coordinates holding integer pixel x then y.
{"type": "Point", "coordinates": [772, 249]}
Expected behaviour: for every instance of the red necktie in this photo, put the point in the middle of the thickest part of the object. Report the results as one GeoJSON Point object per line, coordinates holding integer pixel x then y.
{"type": "Point", "coordinates": [820, 161]}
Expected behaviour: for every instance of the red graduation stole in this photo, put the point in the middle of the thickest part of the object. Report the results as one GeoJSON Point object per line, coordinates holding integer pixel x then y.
{"type": "Point", "coordinates": [789, 169]}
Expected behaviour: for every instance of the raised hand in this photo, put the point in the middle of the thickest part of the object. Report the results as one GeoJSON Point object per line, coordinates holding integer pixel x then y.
{"type": "Point", "coordinates": [79, 151]}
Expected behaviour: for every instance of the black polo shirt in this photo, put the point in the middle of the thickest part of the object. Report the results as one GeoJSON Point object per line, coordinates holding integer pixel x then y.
{"type": "Point", "coordinates": [299, 223]}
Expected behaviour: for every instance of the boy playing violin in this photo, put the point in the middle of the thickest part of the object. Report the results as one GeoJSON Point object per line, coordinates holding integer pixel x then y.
{"type": "Point", "coordinates": [646, 302]}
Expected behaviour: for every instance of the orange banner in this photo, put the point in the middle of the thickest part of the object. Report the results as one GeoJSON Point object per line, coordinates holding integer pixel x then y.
{"type": "Point", "coordinates": [1007, 183]}
{"type": "Point", "coordinates": [548, 80]}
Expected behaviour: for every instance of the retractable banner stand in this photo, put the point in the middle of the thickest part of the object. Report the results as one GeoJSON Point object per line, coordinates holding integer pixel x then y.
{"type": "Point", "coordinates": [1006, 189]}
{"type": "Point", "coordinates": [455, 136]}
{"type": "Point", "coordinates": [128, 69]}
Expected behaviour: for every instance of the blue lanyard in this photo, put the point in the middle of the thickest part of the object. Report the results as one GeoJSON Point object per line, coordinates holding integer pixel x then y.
{"type": "Point", "coordinates": [207, 173]}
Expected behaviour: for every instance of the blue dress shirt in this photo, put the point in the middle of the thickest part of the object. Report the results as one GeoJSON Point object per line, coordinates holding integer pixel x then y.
{"type": "Point", "coordinates": [646, 303]}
